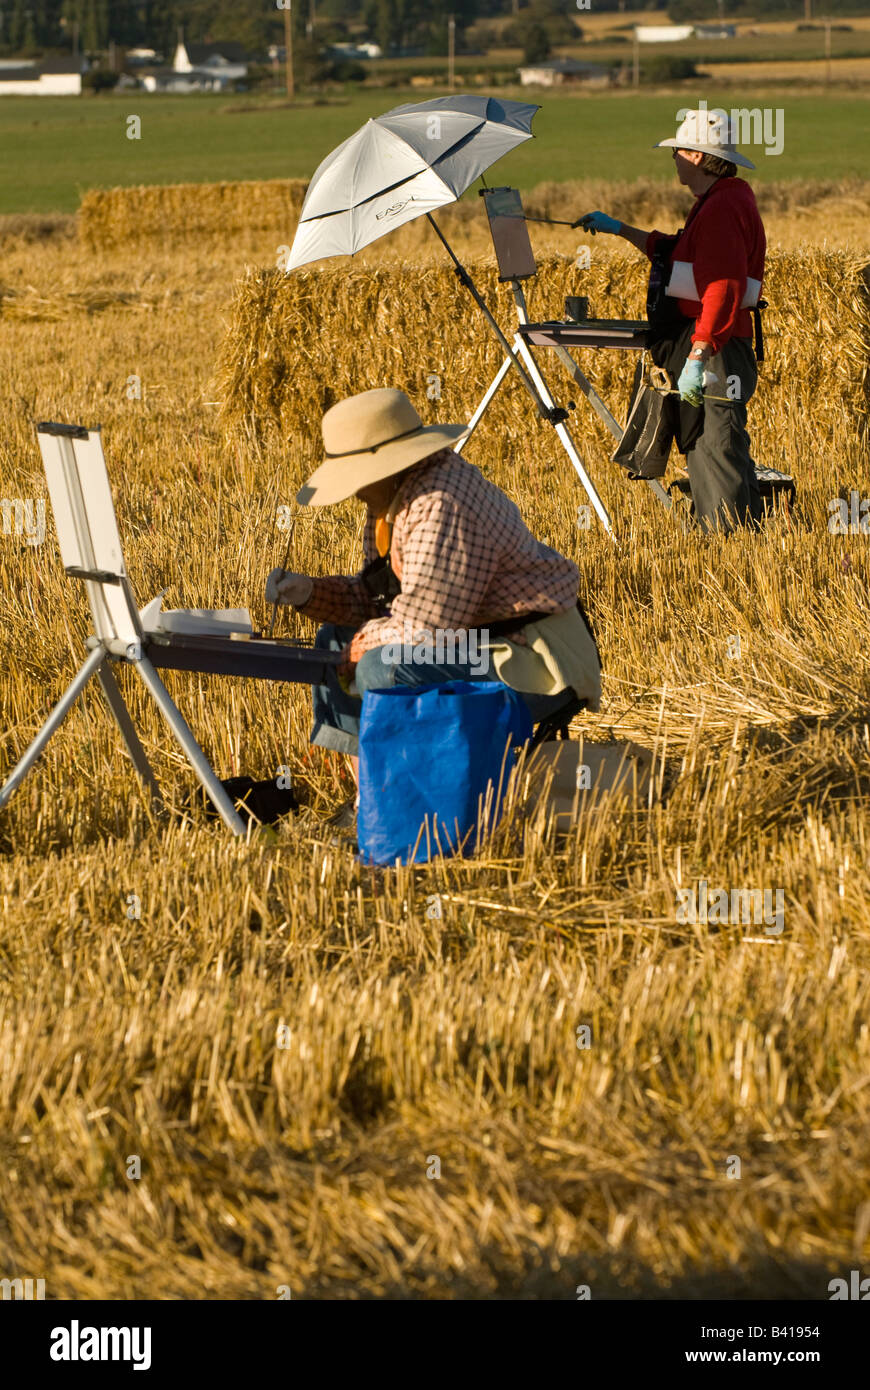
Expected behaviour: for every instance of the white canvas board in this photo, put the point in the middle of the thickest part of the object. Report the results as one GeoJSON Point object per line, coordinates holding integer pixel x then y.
{"type": "Point", "coordinates": [87, 528]}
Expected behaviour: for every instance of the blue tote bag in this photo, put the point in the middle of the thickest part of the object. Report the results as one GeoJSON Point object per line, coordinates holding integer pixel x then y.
{"type": "Point", "coordinates": [431, 752]}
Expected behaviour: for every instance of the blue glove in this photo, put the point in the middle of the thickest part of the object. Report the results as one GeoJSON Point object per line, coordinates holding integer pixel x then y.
{"type": "Point", "coordinates": [598, 222]}
{"type": "Point", "coordinates": [691, 382]}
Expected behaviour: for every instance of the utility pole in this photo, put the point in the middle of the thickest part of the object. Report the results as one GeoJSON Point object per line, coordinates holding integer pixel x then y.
{"type": "Point", "coordinates": [827, 51]}
{"type": "Point", "coordinates": [451, 52]}
{"type": "Point", "coordinates": [636, 75]}
{"type": "Point", "coordinates": [288, 51]}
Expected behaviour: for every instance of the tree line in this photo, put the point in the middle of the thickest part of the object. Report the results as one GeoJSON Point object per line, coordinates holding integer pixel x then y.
{"type": "Point", "coordinates": [33, 26]}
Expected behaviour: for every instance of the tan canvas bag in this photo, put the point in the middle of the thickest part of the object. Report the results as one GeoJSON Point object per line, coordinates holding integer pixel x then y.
{"type": "Point", "coordinates": [574, 776]}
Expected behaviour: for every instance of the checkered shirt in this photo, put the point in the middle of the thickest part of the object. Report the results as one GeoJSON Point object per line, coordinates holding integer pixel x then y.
{"type": "Point", "coordinates": [464, 557]}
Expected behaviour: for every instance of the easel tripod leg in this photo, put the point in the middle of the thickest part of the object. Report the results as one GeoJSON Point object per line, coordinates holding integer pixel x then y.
{"type": "Point", "coordinates": [52, 723]}
{"type": "Point", "coordinates": [132, 742]}
{"type": "Point", "coordinates": [589, 391]}
{"type": "Point", "coordinates": [601, 410]}
{"type": "Point", "coordinates": [481, 409]}
{"type": "Point", "coordinates": [192, 751]}
{"type": "Point", "coordinates": [561, 430]}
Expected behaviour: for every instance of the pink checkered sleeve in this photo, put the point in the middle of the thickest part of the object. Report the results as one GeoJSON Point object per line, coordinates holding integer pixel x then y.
{"type": "Point", "coordinates": [341, 598]}
{"type": "Point", "coordinates": [447, 568]}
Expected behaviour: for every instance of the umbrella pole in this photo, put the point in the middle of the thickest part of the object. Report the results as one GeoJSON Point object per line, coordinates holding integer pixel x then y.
{"type": "Point", "coordinates": [555, 414]}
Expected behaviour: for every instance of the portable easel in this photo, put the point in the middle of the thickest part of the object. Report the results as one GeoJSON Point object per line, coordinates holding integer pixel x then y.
{"type": "Point", "coordinates": [516, 262]}
{"type": "Point", "coordinates": [90, 546]}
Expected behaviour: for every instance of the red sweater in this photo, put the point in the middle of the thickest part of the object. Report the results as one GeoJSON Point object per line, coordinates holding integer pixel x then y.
{"type": "Point", "coordinates": [718, 262]}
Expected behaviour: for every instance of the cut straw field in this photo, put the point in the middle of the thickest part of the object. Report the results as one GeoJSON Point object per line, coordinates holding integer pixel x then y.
{"type": "Point", "coordinates": [411, 1035]}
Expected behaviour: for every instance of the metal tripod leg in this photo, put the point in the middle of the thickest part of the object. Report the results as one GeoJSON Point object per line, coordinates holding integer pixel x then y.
{"type": "Point", "coordinates": [133, 743]}
{"type": "Point", "coordinates": [522, 349]}
{"type": "Point", "coordinates": [52, 723]}
{"type": "Point", "coordinates": [601, 410]}
{"type": "Point", "coordinates": [541, 394]}
{"type": "Point", "coordinates": [192, 751]}
{"type": "Point", "coordinates": [481, 409]}
{"type": "Point", "coordinates": [589, 391]}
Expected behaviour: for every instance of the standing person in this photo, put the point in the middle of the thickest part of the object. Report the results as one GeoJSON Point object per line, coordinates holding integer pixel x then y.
{"type": "Point", "coordinates": [455, 586]}
{"type": "Point", "coordinates": [704, 282]}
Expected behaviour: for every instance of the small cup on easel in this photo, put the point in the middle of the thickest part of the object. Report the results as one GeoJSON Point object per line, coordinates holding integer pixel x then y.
{"type": "Point", "coordinates": [576, 308]}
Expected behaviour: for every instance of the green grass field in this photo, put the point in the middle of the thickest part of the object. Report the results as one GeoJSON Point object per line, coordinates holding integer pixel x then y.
{"type": "Point", "coordinates": [58, 147]}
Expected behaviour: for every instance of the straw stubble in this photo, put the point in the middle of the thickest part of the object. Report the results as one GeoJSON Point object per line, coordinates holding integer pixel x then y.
{"type": "Point", "coordinates": [285, 1039]}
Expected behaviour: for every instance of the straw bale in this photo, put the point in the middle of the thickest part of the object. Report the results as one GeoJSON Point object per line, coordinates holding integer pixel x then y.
{"type": "Point", "coordinates": [297, 343]}
{"type": "Point", "coordinates": [180, 211]}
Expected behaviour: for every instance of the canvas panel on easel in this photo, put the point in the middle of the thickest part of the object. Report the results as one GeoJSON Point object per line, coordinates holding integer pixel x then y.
{"type": "Point", "coordinates": [87, 528]}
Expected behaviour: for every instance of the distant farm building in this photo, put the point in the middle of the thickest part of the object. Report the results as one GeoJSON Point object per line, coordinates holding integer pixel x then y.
{"type": "Point", "coordinates": [224, 62]}
{"type": "Point", "coordinates": [143, 57]}
{"type": "Point", "coordinates": [663, 33]}
{"type": "Point", "coordinates": [561, 72]}
{"type": "Point", "coordinates": [715, 31]}
{"type": "Point", "coordinates": [55, 77]}
{"type": "Point", "coordinates": [200, 67]}
{"type": "Point", "coordinates": [355, 52]}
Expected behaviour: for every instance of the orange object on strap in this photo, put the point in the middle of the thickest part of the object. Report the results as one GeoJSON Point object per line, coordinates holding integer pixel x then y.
{"type": "Point", "coordinates": [383, 534]}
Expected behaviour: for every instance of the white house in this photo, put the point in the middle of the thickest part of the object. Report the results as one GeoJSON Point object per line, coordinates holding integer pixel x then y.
{"type": "Point", "coordinates": [55, 77]}
{"type": "Point", "coordinates": [142, 57]}
{"type": "Point", "coordinates": [165, 80]}
{"type": "Point", "coordinates": [663, 33]}
{"type": "Point", "coordinates": [223, 62]}
{"type": "Point", "coordinates": [562, 71]}
{"type": "Point", "coordinates": [355, 51]}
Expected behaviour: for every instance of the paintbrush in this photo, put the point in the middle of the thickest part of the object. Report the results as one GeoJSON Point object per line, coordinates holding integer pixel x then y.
{"type": "Point", "coordinates": [284, 565]}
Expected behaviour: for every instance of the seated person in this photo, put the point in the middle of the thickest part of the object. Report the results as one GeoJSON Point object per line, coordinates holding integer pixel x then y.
{"type": "Point", "coordinates": [455, 586]}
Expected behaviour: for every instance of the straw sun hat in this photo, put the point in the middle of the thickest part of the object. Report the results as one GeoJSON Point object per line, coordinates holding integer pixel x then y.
{"type": "Point", "coordinates": [710, 132]}
{"type": "Point", "coordinates": [370, 437]}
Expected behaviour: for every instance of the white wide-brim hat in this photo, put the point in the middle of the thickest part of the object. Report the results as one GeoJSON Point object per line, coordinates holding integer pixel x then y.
{"type": "Point", "coordinates": [711, 133]}
{"type": "Point", "coordinates": [370, 437]}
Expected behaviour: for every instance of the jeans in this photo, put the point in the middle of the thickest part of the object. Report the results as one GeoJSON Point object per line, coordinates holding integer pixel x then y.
{"type": "Point", "coordinates": [337, 714]}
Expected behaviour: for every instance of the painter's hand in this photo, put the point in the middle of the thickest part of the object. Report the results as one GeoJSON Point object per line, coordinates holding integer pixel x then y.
{"type": "Point", "coordinates": [691, 382]}
{"type": "Point", "coordinates": [598, 222]}
{"type": "Point", "coordinates": [284, 587]}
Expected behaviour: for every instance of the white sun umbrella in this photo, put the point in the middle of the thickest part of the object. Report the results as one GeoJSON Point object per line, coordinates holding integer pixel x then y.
{"type": "Point", "coordinates": [403, 165]}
